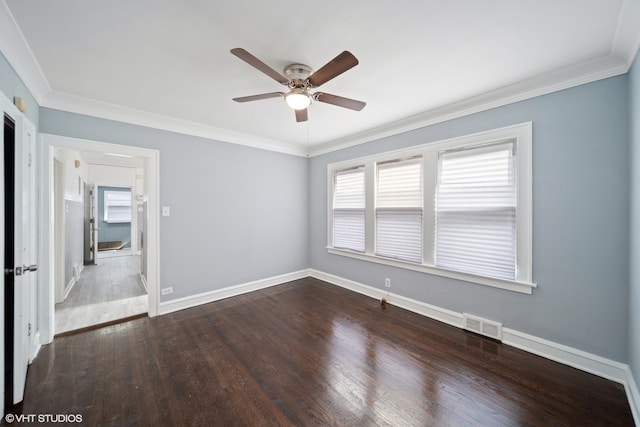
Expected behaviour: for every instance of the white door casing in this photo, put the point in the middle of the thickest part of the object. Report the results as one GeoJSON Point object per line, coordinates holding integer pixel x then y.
{"type": "Point", "coordinates": [48, 143]}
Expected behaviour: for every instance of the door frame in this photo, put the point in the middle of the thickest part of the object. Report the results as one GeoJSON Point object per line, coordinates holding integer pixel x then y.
{"type": "Point", "coordinates": [59, 227]}
{"type": "Point", "coordinates": [47, 250]}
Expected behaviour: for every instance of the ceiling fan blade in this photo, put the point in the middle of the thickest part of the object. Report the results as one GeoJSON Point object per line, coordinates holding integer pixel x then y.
{"type": "Point", "coordinates": [301, 115]}
{"type": "Point", "coordinates": [339, 101]}
{"type": "Point", "coordinates": [333, 68]}
{"type": "Point", "coordinates": [258, 97]}
{"type": "Point", "coordinates": [261, 66]}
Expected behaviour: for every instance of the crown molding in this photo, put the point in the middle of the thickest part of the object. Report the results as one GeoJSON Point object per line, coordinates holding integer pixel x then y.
{"type": "Point", "coordinates": [103, 110]}
{"type": "Point", "coordinates": [627, 38]}
{"type": "Point", "coordinates": [622, 54]}
{"type": "Point", "coordinates": [15, 48]}
{"type": "Point", "coordinates": [565, 78]}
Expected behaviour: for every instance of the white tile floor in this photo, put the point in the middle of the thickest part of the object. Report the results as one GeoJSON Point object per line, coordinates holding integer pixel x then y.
{"type": "Point", "coordinates": [71, 318]}
{"type": "Point", "coordinates": [108, 291]}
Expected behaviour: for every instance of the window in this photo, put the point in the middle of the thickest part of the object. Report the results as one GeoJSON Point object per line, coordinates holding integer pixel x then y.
{"type": "Point", "coordinates": [348, 209]}
{"type": "Point", "coordinates": [117, 206]}
{"type": "Point", "coordinates": [459, 208]}
{"type": "Point", "coordinates": [476, 211]}
{"type": "Point", "coordinates": [399, 209]}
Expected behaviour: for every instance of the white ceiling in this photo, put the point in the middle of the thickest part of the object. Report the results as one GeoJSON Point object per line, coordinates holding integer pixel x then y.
{"type": "Point", "coordinates": [167, 63]}
{"type": "Point", "coordinates": [112, 159]}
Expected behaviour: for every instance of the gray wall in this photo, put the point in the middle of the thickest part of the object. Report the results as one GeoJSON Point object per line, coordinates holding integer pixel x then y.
{"type": "Point", "coordinates": [634, 293]}
{"type": "Point", "coordinates": [73, 237]}
{"type": "Point", "coordinates": [112, 232]}
{"type": "Point", "coordinates": [238, 214]}
{"type": "Point", "coordinates": [247, 226]}
{"type": "Point", "coordinates": [580, 221]}
{"type": "Point", "coordinates": [11, 85]}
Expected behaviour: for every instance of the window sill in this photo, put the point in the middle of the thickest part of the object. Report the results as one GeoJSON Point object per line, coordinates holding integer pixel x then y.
{"type": "Point", "coordinates": [516, 286]}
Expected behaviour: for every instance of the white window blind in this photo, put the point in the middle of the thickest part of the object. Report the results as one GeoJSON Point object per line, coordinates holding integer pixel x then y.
{"type": "Point", "coordinates": [399, 209]}
{"type": "Point", "coordinates": [349, 209]}
{"type": "Point", "coordinates": [476, 211]}
{"type": "Point", "coordinates": [117, 206]}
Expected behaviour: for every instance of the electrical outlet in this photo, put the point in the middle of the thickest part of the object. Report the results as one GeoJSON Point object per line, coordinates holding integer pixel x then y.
{"type": "Point", "coordinates": [167, 291]}
{"type": "Point", "coordinates": [387, 282]}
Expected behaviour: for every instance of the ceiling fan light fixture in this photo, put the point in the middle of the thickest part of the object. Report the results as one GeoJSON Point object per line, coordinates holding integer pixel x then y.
{"type": "Point", "coordinates": [300, 79]}
{"type": "Point", "coordinates": [298, 99]}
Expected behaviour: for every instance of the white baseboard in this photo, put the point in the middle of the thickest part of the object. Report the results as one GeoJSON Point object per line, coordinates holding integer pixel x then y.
{"type": "Point", "coordinates": [231, 291]}
{"type": "Point", "coordinates": [143, 279]}
{"type": "Point", "coordinates": [77, 271]}
{"type": "Point", "coordinates": [70, 285]}
{"type": "Point", "coordinates": [441, 314]}
{"type": "Point", "coordinates": [633, 395]}
{"type": "Point", "coordinates": [588, 362]}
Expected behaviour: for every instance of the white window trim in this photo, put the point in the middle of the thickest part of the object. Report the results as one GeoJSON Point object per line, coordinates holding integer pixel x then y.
{"type": "Point", "coordinates": [520, 133]}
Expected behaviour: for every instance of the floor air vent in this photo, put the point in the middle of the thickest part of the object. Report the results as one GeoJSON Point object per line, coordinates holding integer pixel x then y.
{"type": "Point", "coordinates": [483, 326]}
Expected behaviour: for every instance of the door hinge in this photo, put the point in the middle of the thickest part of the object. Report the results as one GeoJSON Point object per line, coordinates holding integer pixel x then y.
{"type": "Point", "coordinates": [29, 331]}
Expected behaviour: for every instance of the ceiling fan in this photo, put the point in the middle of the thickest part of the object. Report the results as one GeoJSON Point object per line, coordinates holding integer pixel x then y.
{"type": "Point", "coordinates": [300, 79]}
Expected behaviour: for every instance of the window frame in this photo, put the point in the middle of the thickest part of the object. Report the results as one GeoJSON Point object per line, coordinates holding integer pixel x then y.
{"type": "Point", "coordinates": [467, 216]}
{"type": "Point", "coordinates": [521, 134]}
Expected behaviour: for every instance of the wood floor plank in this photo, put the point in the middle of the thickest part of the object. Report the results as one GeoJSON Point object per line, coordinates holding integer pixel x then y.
{"type": "Point", "coordinates": [309, 353]}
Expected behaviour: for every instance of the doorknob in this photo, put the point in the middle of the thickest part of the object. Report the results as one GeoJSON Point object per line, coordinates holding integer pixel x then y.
{"type": "Point", "coordinates": [19, 270]}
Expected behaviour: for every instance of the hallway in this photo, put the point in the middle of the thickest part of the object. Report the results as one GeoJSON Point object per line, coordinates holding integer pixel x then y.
{"type": "Point", "coordinates": [108, 291]}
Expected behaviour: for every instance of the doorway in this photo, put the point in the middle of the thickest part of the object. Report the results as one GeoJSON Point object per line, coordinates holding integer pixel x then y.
{"type": "Point", "coordinates": [150, 172]}
{"type": "Point", "coordinates": [115, 220]}
{"type": "Point", "coordinates": [102, 280]}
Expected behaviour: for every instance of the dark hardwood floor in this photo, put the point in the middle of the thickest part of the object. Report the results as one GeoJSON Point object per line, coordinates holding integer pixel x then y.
{"type": "Point", "coordinates": [309, 353]}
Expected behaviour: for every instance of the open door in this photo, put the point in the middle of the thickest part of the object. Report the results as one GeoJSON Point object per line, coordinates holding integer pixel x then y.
{"type": "Point", "coordinates": [25, 265]}
{"type": "Point", "coordinates": [90, 225]}
{"type": "Point", "coordinates": [18, 249]}
{"type": "Point", "coordinates": [29, 238]}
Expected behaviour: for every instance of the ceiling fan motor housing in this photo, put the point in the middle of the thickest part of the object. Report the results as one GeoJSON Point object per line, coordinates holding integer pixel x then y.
{"type": "Point", "coordinates": [297, 71]}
